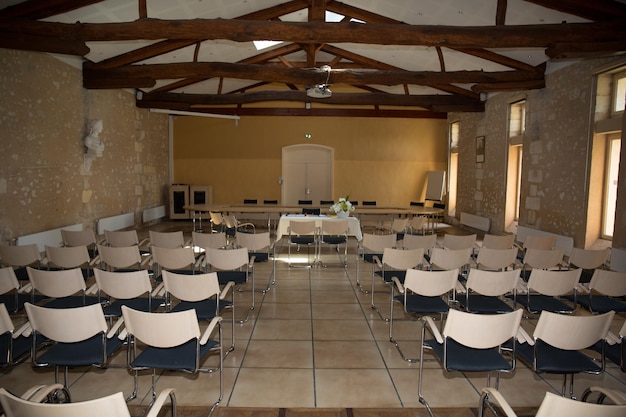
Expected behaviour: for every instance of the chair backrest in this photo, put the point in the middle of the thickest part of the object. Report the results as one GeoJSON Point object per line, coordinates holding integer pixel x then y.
{"type": "Point", "coordinates": [85, 237]}
{"type": "Point", "coordinates": [21, 255]}
{"type": "Point", "coordinates": [326, 202]}
{"type": "Point", "coordinates": [227, 259]}
{"type": "Point", "coordinates": [123, 285]}
{"type": "Point", "coordinates": [120, 256]}
{"type": "Point", "coordinates": [216, 218]}
{"type": "Point", "coordinates": [334, 227]}
{"type": "Point", "coordinates": [167, 239]}
{"type": "Point", "coordinates": [302, 227]}
{"type": "Point", "coordinates": [249, 201]}
{"type": "Point", "coordinates": [417, 203]}
{"type": "Point", "coordinates": [492, 283]}
{"type": "Point", "coordinates": [209, 240]}
{"type": "Point", "coordinates": [569, 332]}
{"type": "Point", "coordinates": [482, 331]}
{"type": "Point", "coordinates": [543, 258]}
{"type": "Point", "coordinates": [458, 241]}
{"type": "Point", "coordinates": [589, 258]}
{"type": "Point", "coordinates": [402, 259]}
{"type": "Point", "coordinates": [430, 283]}
{"type": "Point", "coordinates": [121, 238]}
{"type": "Point", "coordinates": [109, 406]}
{"type": "Point", "coordinates": [439, 205]}
{"type": "Point", "coordinates": [449, 258]}
{"type": "Point", "coordinates": [554, 405]}
{"type": "Point", "coordinates": [305, 202]}
{"type": "Point", "coordinates": [399, 224]}
{"type": "Point", "coordinates": [57, 284]}
{"type": "Point", "coordinates": [6, 324]}
{"type": "Point", "coordinates": [611, 283]}
{"type": "Point", "coordinates": [539, 242]}
{"type": "Point", "coordinates": [161, 330]}
{"type": "Point", "coordinates": [8, 280]}
{"type": "Point", "coordinates": [377, 243]}
{"type": "Point", "coordinates": [417, 223]}
{"type": "Point", "coordinates": [254, 241]}
{"type": "Point", "coordinates": [553, 283]}
{"type": "Point", "coordinates": [369, 202]}
{"type": "Point", "coordinates": [192, 288]}
{"type": "Point", "coordinates": [270, 201]}
{"type": "Point", "coordinates": [312, 211]}
{"type": "Point", "coordinates": [68, 256]}
{"type": "Point", "coordinates": [426, 242]}
{"type": "Point", "coordinates": [173, 258]}
{"type": "Point", "coordinates": [67, 325]}
{"type": "Point", "coordinates": [498, 241]}
{"type": "Point", "coordinates": [496, 259]}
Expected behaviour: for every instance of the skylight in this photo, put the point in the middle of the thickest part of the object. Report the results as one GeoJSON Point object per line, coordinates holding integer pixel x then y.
{"type": "Point", "coordinates": [330, 18]}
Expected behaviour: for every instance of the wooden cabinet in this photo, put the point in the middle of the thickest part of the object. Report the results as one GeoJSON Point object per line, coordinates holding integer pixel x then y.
{"type": "Point", "coordinates": [182, 195]}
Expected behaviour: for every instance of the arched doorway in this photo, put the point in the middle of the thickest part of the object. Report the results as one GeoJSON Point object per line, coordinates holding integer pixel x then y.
{"type": "Point", "coordinates": [307, 172]}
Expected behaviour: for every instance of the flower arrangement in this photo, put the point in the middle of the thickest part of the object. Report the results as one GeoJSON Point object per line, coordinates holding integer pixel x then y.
{"type": "Point", "coordinates": [343, 205]}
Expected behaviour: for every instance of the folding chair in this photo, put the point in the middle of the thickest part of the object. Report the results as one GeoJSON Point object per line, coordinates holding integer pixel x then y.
{"type": "Point", "coordinates": [260, 247]}
{"type": "Point", "coordinates": [422, 293]}
{"type": "Point", "coordinates": [109, 406]}
{"type": "Point", "coordinates": [80, 337]}
{"type": "Point", "coordinates": [605, 292]}
{"type": "Point", "coordinates": [471, 343]}
{"type": "Point", "coordinates": [232, 265]}
{"type": "Point", "coordinates": [485, 291]}
{"type": "Point", "coordinates": [560, 345]}
{"type": "Point", "coordinates": [201, 293]}
{"type": "Point", "coordinates": [170, 341]}
{"type": "Point", "coordinates": [551, 406]}
{"type": "Point", "coordinates": [370, 247]}
{"type": "Point", "coordinates": [547, 290]}
{"type": "Point", "coordinates": [394, 263]}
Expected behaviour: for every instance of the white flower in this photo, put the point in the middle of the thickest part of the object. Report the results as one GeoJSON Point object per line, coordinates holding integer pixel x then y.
{"type": "Point", "coordinates": [343, 204]}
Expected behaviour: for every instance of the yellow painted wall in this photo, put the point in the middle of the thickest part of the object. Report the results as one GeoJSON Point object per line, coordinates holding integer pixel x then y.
{"type": "Point", "coordinates": [375, 159]}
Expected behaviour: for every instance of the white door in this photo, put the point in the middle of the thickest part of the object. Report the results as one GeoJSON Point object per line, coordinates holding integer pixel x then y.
{"type": "Point", "coordinates": [307, 172]}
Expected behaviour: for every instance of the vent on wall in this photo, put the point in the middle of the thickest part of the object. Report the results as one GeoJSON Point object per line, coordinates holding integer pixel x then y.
{"type": "Point", "coordinates": [49, 237]}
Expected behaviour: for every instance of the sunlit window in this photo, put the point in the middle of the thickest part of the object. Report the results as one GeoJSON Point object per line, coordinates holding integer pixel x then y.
{"type": "Point", "coordinates": [619, 92]}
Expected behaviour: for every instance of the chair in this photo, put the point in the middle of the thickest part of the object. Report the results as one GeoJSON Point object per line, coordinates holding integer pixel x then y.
{"type": "Point", "coordinates": [85, 237]}
{"type": "Point", "coordinates": [417, 203]}
{"type": "Point", "coordinates": [209, 240]}
{"type": "Point", "coordinates": [250, 201]}
{"type": "Point", "coordinates": [485, 291]}
{"type": "Point", "coordinates": [80, 337]}
{"type": "Point", "coordinates": [11, 292]}
{"type": "Point", "coordinates": [19, 257]}
{"type": "Point", "coordinates": [458, 241]}
{"type": "Point", "coordinates": [63, 288]}
{"type": "Point", "coordinates": [167, 239]}
{"type": "Point", "coordinates": [399, 226]}
{"type": "Point", "coordinates": [423, 293]}
{"type": "Point", "coordinates": [270, 201]}
{"type": "Point", "coordinates": [201, 293]}
{"type": "Point", "coordinates": [369, 202]}
{"type": "Point", "coordinates": [14, 346]}
{"type": "Point", "coordinates": [547, 290]}
{"type": "Point", "coordinates": [615, 347]}
{"type": "Point", "coordinates": [305, 202]}
{"type": "Point", "coordinates": [498, 241]}
{"type": "Point", "coordinates": [110, 406]}
{"type": "Point", "coordinates": [302, 233]}
{"type": "Point", "coordinates": [132, 289]}
{"type": "Point", "coordinates": [371, 247]}
{"type": "Point", "coordinates": [605, 292]}
{"type": "Point", "coordinates": [121, 259]}
{"type": "Point", "coordinates": [395, 263]}
{"type": "Point", "coordinates": [426, 242]}
{"type": "Point", "coordinates": [541, 259]}
{"type": "Point", "coordinates": [451, 259]}
{"type": "Point", "coordinates": [232, 265]}
{"type": "Point", "coordinates": [172, 342]}
{"type": "Point", "coordinates": [559, 346]}
{"type": "Point", "coordinates": [552, 406]}
{"type": "Point", "coordinates": [539, 242]}
{"type": "Point", "coordinates": [588, 260]}
{"type": "Point", "coordinates": [417, 224]}
{"type": "Point", "coordinates": [260, 247]}
{"type": "Point", "coordinates": [496, 259]}
{"type": "Point", "coordinates": [471, 343]}
{"type": "Point", "coordinates": [311, 211]}
{"type": "Point", "coordinates": [326, 202]}
{"type": "Point", "coordinates": [217, 222]}
{"type": "Point", "coordinates": [334, 233]}
{"type": "Point", "coordinates": [69, 257]}
{"type": "Point", "coordinates": [233, 225]}
{"type": "Point", "coordinates": [181, 260]}
{"type": "Point", "coordinates": [123, 238]}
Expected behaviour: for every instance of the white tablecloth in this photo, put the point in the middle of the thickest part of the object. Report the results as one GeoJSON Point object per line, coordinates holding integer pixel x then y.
{"type": "Point", "coordinates": [354, 227]}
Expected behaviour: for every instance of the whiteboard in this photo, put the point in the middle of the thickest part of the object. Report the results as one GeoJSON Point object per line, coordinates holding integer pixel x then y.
{"type": "Point", "coordinates": [435, 185]}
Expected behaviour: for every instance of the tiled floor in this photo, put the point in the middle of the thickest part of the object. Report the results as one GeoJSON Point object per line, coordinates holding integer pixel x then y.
{"type": "Point", "coordinates": [314, 341]}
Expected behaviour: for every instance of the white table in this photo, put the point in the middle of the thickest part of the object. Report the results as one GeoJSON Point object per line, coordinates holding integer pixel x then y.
{"type": "Point", "coordinates": [354, 226]}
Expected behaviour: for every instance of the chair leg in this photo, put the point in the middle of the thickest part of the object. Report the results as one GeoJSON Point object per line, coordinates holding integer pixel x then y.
{"type": "Point", "coordinates": [135, 387]}
{"type": "Point", "coordinates": [373, 304]}
{"type": "Point", "coordinates": [420, 395]}
{"type": "Point", "coordinates": [391, 339]}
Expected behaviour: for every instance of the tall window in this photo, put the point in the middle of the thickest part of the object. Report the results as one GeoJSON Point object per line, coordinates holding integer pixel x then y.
{"type": "Point", "coordinates": [619, 92]}
{"type": "Point", "coordinates": [517, 127]}
{"type": "Point", "coordinates": [610, 184]}
{"type": "Point", "coordinates": [453, 167]}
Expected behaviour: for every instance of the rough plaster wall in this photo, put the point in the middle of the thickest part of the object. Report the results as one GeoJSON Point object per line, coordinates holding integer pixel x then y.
{"type": "Point", "coordinates": [554, 177]}
{"type": "Point", "coordinates": [44, 113]}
